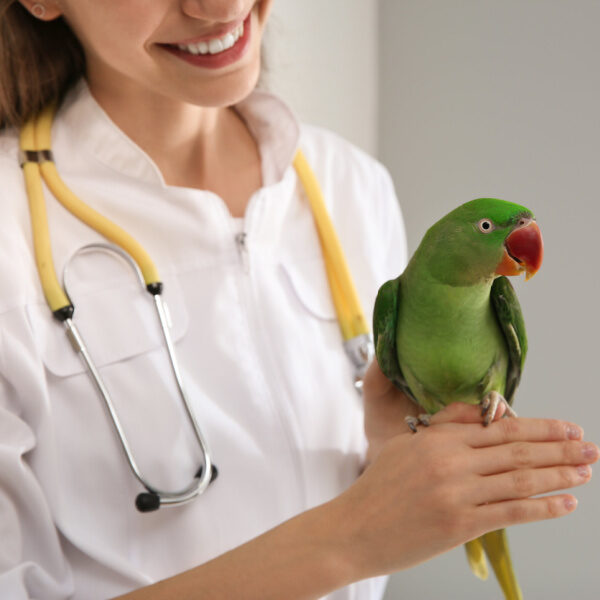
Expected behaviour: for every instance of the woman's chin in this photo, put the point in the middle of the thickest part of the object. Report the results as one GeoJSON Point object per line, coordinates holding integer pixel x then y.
{"type": "Point", "coordinates": [228, 89]}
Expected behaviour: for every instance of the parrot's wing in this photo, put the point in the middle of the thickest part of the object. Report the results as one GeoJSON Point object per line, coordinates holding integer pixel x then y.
{"type": "Point", "coordinates": [385, 322]}
{"type": "Point", "coordinates": [510, 318]}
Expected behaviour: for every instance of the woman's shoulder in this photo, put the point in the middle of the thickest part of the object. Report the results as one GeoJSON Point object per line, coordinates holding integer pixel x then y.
{"type": "Point", "coordinates": [361, 199]}
{"type": "Point", "coordinates": [10, 171]}
{"type": "Point", "coordinates": [15, 223]}
{"type": "Point", "coordinates": [347, 172]}
{"type": "Point", "coordinates": [9, 144]}
{"type": "Point", "coordinates": [334, 151]}
{"type": "Point", "coordinates": [11, 176]}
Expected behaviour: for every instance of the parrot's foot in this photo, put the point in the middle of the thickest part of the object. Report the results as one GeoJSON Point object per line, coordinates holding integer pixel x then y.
{"type": "Point", "coordinates": [489, 406]}
{"type": "Point", "coordinates": [414, 422]}
{"type": "Point", "coordinates": [424, 419]}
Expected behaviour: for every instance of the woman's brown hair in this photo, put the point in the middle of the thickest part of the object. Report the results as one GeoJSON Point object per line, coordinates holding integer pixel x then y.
{"type": "Point", "coordinates": [39, 62]}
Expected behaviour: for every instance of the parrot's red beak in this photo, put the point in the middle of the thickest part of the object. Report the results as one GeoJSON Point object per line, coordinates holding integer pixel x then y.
{"type": "Point", "coordinates": [523, 251]}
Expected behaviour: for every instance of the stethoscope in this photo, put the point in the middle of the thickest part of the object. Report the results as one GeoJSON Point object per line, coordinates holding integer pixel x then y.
{"type": "Point", "coordinates": [37, 162]}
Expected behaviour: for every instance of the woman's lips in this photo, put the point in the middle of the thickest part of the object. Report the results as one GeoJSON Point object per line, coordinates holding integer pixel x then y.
{"type": "Point", "coordinates": [219, 59]}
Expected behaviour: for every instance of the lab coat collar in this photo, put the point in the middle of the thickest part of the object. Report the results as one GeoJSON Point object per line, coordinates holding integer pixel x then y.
{"type": "Point", "coordinates": [270, 121]}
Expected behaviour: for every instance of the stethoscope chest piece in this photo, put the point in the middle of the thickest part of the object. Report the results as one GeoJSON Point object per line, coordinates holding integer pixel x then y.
{"type": "Point", "coordinates": [150, 501]}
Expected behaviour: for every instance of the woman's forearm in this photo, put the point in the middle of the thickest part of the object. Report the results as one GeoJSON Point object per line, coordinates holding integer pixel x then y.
{"type": "Point", "coordinates": [303, 558]}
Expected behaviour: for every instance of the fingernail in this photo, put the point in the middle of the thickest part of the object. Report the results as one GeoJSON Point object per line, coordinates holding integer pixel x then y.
{"type": "Point", "coordinates": [583, 471]}
{"type": "Point", "coordinates": [590, 451]}
{"type": "Point", "coordinates": [574, 432]}
{"type": "Point", "coordinates": [570, 503]}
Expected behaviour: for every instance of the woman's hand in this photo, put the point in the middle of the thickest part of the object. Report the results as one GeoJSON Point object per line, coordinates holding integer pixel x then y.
{"type": "Point", "coordinates": [385, 409]}
{"type": "Point", "coordinates": [427, 492]}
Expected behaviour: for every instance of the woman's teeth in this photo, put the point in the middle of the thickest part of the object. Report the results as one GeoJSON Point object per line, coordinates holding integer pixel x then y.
{"type": "Point", "coordinates": [214, 46]}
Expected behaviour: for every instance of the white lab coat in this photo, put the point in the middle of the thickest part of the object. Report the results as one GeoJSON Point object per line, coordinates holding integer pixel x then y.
{"type": "Point", "coordinates": [257, 338]}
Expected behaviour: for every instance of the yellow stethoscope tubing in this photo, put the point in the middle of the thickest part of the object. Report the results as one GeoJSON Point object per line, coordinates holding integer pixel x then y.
{"type": "Point", "coordinates": [36, 137]}
{"type": "Point", "coordinates": [345, 298]}
{"type": "Point", "coordinates": [55, 296]}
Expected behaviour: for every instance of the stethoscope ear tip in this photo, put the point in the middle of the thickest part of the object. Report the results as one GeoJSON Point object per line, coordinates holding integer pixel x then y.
{"type": "Point", "coordinates": [147, 502]}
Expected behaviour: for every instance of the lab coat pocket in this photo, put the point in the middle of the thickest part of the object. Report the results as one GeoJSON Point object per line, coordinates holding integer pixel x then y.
{"type": "Point", "coordinates": [306, 281]}
{"type": "Point", "coordinates": [117, 322]}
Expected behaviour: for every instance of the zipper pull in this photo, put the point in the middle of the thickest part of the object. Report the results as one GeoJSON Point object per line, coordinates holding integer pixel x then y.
{"type": "Point", "coordinates": [240, 241]}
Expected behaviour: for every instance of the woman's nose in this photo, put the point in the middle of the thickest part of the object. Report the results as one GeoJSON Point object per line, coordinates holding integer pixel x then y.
{"type": "Point", "coordinates": [216, 10]}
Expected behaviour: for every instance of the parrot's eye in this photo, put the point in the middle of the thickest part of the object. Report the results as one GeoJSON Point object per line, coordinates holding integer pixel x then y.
{"type": "Point", "coordinates": [485, 226]}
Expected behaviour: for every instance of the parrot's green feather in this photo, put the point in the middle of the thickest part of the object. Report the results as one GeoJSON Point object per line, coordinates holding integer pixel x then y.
{"type": "Point", "coordinates": [510, 318]}
{"type": "Point", "coordinates": [385, 323]}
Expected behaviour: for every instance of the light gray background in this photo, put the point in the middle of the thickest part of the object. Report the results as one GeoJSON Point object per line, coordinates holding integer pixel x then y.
{"type": "Point", "coordinates": [462, 99]}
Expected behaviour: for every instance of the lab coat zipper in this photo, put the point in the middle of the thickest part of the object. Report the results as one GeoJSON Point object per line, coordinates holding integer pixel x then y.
{"type": "Point", "coordinates": [240, 241]}
{"type": "Point", "coordinates": [273, 386]}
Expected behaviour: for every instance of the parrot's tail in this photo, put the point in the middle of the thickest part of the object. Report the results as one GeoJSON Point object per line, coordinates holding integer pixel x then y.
{"type": "Point", "coordinates": [476, 558]}
{"type": "Point", "coordinates": [495, 546]}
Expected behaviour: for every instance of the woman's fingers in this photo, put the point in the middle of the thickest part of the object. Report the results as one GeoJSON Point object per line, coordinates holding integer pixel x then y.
{"type": "Point", "coordinates": [524, 483]}
{"type": "Point", "coordinates": [505, 430]}
{"type": "Point", "coordinates": [527, 455]}
{"type": "Point", "coordinates": [515, 512]}
{"type": "Point", "coordinates": [519, 429]}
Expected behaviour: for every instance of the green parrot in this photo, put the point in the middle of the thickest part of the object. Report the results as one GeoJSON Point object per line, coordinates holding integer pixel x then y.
{"type": "Point", "coordinates": [450, 327]}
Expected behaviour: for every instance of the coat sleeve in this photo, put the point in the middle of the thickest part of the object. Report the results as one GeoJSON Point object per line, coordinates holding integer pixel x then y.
{"type": "Point", "coordinates": [32, 563]}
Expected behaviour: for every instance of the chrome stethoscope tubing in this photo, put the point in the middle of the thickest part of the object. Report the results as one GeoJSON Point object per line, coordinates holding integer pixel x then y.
{"type": "Point", "coordinates": [154, 497]}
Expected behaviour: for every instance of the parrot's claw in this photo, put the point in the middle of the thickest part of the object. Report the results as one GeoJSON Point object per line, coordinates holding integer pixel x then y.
{"type": "Point", "coordinates": [424, 419]}
{"type": "Point", "coordinates": [489, 406]}
{"type": "Point", "coordinates": [414, 422]}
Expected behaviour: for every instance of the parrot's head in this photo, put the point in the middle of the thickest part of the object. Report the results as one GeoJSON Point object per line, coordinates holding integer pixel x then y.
{"type": "Point", "coordinates": [481, 240]}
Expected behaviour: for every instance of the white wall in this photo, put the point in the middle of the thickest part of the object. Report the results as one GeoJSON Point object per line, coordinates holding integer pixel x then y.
{"type": "Point", "coordinates": [502, 98]}
{"type": "Point", "coordinates": [322, 58]}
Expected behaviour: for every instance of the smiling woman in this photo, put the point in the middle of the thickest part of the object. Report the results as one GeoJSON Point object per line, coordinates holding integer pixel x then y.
{"type": "Point", "coordinates": [148, 113]}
